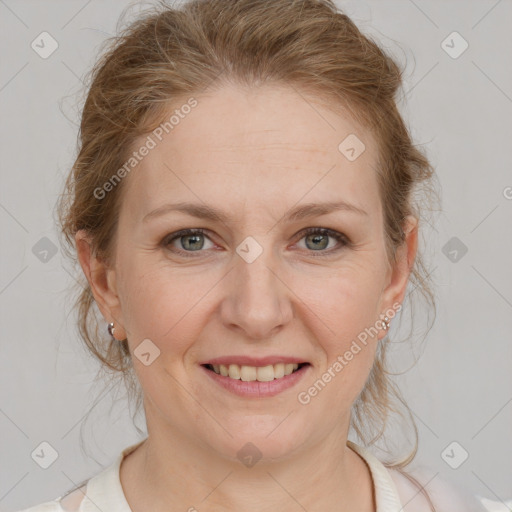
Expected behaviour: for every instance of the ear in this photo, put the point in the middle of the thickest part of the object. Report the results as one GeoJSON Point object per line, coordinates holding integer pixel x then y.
{"type": "Point", "coordinates": [102, 280]}
{"type": "Point", "coordinates": [394, 291]}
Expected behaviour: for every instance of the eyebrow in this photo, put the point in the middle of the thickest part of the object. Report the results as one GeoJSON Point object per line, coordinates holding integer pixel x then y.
{"type": "Point", "coordinates": [206, 212]}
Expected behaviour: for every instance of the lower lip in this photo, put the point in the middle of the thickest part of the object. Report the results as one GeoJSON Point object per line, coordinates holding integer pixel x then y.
{"type": "Point", "coordinates": [256, 389]}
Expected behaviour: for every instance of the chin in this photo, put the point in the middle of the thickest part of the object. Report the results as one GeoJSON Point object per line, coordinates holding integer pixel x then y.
{"type": "Point", "coordinates": [261, 439]}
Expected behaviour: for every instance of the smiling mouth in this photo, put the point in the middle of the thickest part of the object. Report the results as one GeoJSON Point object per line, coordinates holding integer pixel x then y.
{"type": "Point", "coordinates": [255, 373]}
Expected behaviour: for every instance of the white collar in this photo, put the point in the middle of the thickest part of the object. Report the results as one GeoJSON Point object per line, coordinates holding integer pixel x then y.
{"type": "Point", "coordinates": [105, 492]}
{"type": "Point", "coordinates": [386, 493]}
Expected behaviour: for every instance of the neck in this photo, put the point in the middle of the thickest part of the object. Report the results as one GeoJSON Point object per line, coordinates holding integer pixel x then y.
{"type": "Point", "coordinates": [173, 471]}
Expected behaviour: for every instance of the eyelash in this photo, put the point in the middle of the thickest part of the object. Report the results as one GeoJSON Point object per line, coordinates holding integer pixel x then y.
{"type": "Point", "coordinates": [340, 237]}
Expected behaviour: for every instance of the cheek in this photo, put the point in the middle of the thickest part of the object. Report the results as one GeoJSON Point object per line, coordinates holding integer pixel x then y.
{"type": "Point", "coordinates": [342, 315]}
{"type": "Point", "coordinates": [345, 302]}
{"type": "Point", "coordinates": [348, 347]}
{"type": "Point", "coordinates": [162, 306]}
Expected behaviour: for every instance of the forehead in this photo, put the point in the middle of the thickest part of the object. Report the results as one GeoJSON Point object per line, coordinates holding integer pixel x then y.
{"type": "Point", "coordinates": [259, 146]}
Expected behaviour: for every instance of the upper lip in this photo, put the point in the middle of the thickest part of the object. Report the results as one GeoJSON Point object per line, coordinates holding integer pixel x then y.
{"type": "Point", "coordinates": [253, 361]}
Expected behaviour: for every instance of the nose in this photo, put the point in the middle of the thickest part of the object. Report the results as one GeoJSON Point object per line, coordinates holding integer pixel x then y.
{"type": "Point", "coordinates": [256, 300]}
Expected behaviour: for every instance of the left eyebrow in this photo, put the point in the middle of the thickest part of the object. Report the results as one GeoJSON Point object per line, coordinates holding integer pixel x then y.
{"type": "Point", "coordinates": [206, 212]}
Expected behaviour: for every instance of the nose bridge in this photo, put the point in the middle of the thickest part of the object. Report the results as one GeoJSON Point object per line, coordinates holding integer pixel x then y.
{"type": "Point", "coordinates": [256, 294]}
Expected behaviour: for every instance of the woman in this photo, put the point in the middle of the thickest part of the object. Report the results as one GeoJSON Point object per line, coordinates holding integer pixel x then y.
{"type": "Point", "coordinates": [242, 209]}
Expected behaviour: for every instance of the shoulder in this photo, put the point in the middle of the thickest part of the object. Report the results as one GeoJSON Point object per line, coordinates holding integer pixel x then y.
{"type": "Point", "coordinates": [102, 489]}
{"type": "Point", "coordinates": [67, 503]}
{"type": "Point", "coordinates": [445, 495]}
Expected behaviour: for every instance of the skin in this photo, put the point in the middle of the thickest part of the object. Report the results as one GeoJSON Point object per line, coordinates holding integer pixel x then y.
{"type": "Point", "coordinates": [255, 154]}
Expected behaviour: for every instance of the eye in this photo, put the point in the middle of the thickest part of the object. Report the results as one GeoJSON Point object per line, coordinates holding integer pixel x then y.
{"type": "Point", "coordinates": [192, 240]}
{"type": "Point", "coordinates": [318, 239]}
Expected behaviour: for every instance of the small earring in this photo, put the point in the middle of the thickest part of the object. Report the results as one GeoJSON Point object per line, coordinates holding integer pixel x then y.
{"type": "Point", "coordinates": [111, 330]}
{"type": "Point", "coordinates": [385, 324]}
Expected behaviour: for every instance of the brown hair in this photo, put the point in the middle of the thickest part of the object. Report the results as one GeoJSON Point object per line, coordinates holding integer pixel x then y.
{"type": "Point", "coordinates": [168, 54]}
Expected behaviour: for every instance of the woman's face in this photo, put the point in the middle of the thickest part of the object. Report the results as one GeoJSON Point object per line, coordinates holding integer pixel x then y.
{"type": "Point", "coordinates": [254, 284]}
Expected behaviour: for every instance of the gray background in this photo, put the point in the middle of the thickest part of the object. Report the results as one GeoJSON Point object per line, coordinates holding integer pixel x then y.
{"type": "Point", "coordinates": [460, 109]}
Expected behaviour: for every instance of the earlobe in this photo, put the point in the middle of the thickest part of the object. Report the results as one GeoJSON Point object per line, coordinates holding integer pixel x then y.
{"type": "Point", "coordinates": [98, 274]}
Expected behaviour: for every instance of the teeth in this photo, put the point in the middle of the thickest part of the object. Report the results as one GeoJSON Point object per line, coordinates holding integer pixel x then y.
{"type": "Point", "coordinates": [248, 373]}
{"type": "Point", "coordinates": [265, 373]}
{"type": "Point", "coordinates": [279, 370]}
{"type": "Point", "coordinates": [234, 371]}
{"type": "Point", "coordinates": [252, 373]}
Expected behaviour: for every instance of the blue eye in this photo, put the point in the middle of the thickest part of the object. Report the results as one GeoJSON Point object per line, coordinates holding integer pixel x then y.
{"type": "Point", "coordinates": [193, 240]}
